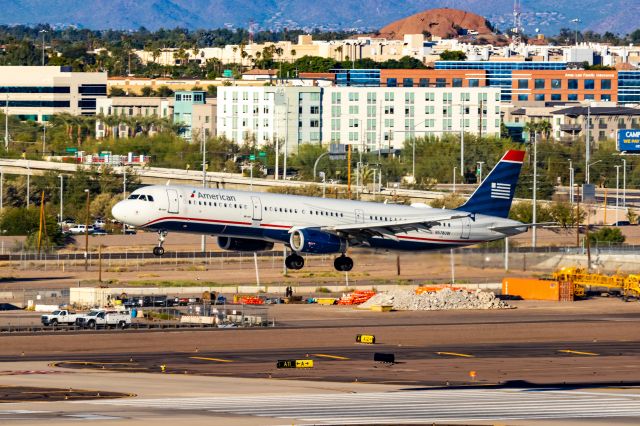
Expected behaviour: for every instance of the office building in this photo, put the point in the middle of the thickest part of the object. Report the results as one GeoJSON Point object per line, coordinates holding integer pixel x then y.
{"type": "Point", "coordinates": [571, 123]}
{"type": "Point", "coordinates": [37, 93]}
{"type": "Point", "coordinates": [127, 109]}
{"type": "Point", "coordinates": [197, 114]}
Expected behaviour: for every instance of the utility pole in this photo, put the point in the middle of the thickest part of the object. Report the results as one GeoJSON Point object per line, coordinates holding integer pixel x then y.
{"type": "Point", "coordinates": [462, 143]}
{"type": "Point", "coordinates": [43, 32]}
{"type": "Point", "coordinates": [86, 235]}
{"type": "Point", "coordinates": [534, 236]}
{"type": "Point", "coordinates": [617, 191]}
{"type": "Point", "coordinates": [61, 197]}
{"type": "Point", "coordinates": [1, 188]}
{"type": "Point", "coordinates": [286, 141]}
{"type": "Point", "coordinates": [124, 195]}
{"type": "Point", "coordinates": [6, 123]}
{"type": "Point", "coordinates": [624, 183]}
{"type": "Point", "coordinates": [571, 194]}
{"type": "Point", "coordinates": [203, 238]}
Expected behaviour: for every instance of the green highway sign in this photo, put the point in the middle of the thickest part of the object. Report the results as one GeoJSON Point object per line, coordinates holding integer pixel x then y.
{"type": "Point", "coordinates": [252, 157]}
{"type": "Point", "coordinates": [262, 154]}
{"type": "Point", "coordinates": [72, 149]}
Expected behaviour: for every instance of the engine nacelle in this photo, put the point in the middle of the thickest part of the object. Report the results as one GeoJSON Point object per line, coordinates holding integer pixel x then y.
{"type": "Point", "coordinates": [318, 242]}
{"type": "Point", "coordinates": [243, 244]}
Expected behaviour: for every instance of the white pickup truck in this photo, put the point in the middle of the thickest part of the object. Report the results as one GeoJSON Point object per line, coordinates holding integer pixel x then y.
{"type": "Point", "coordinates": [59, 317]}
{"type": "Point", "coordinates": [104, 319]}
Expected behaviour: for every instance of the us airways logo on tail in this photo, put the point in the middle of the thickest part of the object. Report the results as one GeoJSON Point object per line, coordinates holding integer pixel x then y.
{"type": "Point", "coordinates": [500, 190]}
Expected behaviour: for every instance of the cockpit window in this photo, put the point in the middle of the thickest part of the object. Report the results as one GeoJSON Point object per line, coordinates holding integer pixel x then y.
{"type": "Point", "coordinates": [133, 196]}
{"type": "Point", "coordinates": [150, 198]}
{"type": "Point", "coordinates": [143, 198]}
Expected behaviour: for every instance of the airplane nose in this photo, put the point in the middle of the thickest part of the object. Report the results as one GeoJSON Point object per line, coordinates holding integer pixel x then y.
{"type": "Point", "coordinates": [119, 212]}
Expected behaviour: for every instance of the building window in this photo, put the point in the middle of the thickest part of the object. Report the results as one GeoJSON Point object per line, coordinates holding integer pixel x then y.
{"type": "Point", "coordinates": [388, 96]}
{"type": "Point", "coordinates": [388, 109]}
{"type": "Point", "coordinates": [589, 97]}
{"type": "Point", "coordinates": [424, 82]}
{"type": "Point", "coordinates": [474, 82]}
{"type": "Point", "coordinates": [556, 83]}
{"type": "Point", "coordinates": [539, 97]}
{"type": "Point", "coordinates": [409, 97]}
{"type": "Point", "coordinates": [336, 98]}
{"type": "Point", "coordinates": [523, 97]}
{"type": "Point", "coordinates": [457, 82]}
{"type": "Point", "coordinates": [429, 97]}
{"type": "Point", "coordinates": [315, 110]}
{"type": "Point", "coordinates": [589, 84]}
{"type": "Point", "coordinates": [621, 124]}
{"type": "Point", "coordinates": [539, 83]}
{"type": "Point", "coordinates": [371, 98]}
{"type": "Point", "coordinates": [314, 123]}
{"type": "Point", "coordinates": [429, 109]}
{"type": "Point", "coordinates": [556, 97]}
{"type": "Point", "coordinates": [407, 82]}
{"type": "Point", "coordinates": [441, 82]}
{"type": "Point", "coordinates": [353, 109]}
{"type": "Point", "coordinates": [336, 111]}
{"type": "Point", "coordinates": [523, 83]}
{"type": "Point", "coordinates": [605, 84]}
{"type": "Point", "coordinates": [572, 97]}
{"type": "Point", "coordinates": [392, 82]}
{"type": "Point", "coordinates": [354, 96]}
{"type": "Point", "coordinates": [572, 84]}
{"type": "Point", "coordinates": [605, 98]}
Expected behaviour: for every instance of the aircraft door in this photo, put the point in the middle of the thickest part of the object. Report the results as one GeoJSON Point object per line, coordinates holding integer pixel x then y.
{"type": "Point", "coordinates": [174, 204]}
{"type": "Point", "coordinates": [466, 228]}
{"type": "Point", "coordinates": [359, 216]}
{"type": "Point", "coordinates": [257, 208]}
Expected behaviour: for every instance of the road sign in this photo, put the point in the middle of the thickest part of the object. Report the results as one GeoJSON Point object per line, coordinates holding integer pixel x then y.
{"type": "Point", "coordinates": [252, 157]}
{"type": "Point", "coordinates": [262, 154]}
{"type": "Point", "coordinates": [72, 150]}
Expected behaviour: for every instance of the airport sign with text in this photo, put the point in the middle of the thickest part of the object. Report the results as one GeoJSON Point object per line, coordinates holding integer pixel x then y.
{"type": "Point", "coordinates": [629, 140]}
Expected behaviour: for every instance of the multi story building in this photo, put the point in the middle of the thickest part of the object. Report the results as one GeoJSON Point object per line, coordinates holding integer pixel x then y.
{"type": "Point", "coordinates": [37, 93]}
{"type": "Point", "coordinates": [571, 123]}
{"type": "Point", "coordinates": [369, 118]}
{"type": "Point", "coordinates": [195, 113]}
{"type": "Point", "coordinates": [128, 107]}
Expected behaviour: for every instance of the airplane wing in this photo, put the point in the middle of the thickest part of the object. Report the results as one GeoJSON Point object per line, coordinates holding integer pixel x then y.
{"type": "Point", "coordinates": [362, 231]}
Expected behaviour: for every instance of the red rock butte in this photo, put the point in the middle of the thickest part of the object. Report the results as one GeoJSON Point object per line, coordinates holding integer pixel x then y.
{"type": "Point", "coordinates": [437, 22]}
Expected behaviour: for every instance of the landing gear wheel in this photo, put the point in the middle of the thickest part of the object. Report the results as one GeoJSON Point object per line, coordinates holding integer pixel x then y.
{"type": "Point", "coordinates": [343, 263]}
{"type": "Point", "coordinates": [294, 261]}
{"type": "Point", "coordinates": [158, 251]}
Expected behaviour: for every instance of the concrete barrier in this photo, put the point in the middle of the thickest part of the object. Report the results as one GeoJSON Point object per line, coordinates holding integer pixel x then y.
{"type": "Point", "coordinates": [45, 308]}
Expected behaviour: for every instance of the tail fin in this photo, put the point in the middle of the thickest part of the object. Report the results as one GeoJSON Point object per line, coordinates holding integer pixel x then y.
{"type": "Point", "coordinates": [494, 195]}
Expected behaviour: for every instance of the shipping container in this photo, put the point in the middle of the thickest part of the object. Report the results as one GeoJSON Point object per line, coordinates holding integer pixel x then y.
{"type": "Point", "coordinates": [535, 289]}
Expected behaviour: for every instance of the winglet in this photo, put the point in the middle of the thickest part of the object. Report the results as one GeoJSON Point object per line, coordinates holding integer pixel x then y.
{"type": "Point", "coordinates": [494, 195]}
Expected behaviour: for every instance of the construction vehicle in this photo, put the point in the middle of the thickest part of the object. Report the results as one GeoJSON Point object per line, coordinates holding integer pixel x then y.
{"type": "Point", "coordinates": [628, 285]}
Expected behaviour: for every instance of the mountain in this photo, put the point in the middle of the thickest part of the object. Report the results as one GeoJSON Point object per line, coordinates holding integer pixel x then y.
{"type": "Point", "coordinates": [438, 22]}
{"type": "Point", "coordinates": [546, 15]}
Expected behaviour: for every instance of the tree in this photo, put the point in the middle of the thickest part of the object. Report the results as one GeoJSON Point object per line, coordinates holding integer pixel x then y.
{"type": "Point", "coordinates": [26, 221]}
{"type": "Point", "coordinates": [607, 235]}
{"type": "Point", "coordinates": [116, 91]}
{"type": "Point", "coordinates": [164, 92]}
{"type": "Point", "coordinates": [147, 91]}
{"type": "Point", "coordinates": [453, 55]}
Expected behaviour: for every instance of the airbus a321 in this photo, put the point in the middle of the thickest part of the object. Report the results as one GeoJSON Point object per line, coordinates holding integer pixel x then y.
{"type": "Point", "coordinates": [255, 221]}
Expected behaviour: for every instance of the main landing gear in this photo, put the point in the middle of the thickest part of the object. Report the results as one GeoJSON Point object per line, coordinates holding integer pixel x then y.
{"type": "Point", "coordinates": [159, 250]}
{"type": "Point", "coordinates": [343, 263]}
{"type": "Point", "coordinates": [294, 261]}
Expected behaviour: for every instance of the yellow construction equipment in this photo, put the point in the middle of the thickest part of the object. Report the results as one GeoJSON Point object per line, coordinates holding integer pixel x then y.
{"type": "Point", "coordinates": [629, 284]}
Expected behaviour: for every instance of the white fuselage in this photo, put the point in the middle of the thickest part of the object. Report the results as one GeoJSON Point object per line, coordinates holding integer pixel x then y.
{"type": "Point", "coordinates": [271, 217]}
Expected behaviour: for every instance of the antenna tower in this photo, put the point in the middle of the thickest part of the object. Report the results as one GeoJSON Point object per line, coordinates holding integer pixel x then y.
{"type": "Point", "coordinates": [516, 38]}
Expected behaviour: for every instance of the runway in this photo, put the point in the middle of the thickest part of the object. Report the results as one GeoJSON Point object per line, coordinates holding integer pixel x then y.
{"type": "Point", "coordinates": [424, 406]}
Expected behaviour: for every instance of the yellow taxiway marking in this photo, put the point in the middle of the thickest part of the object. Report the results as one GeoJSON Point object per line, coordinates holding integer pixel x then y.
{"type": "Point", "coordinates": [210, 359]}
{"type": "Point", "coordinates": [455, 354]}
{"type": "Point", "coordinates": [330, 356]}
{"type": "Point", "coordinates": [569, 351]}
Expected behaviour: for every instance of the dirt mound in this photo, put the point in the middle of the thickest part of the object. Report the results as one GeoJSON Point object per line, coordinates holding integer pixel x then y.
{"type": "Point", "coordinates": [438, 22]}
{"type": "Point", "coordinates": [446, 299]}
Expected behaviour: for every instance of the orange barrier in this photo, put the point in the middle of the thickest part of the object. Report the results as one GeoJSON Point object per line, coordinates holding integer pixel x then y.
{"type": "Point", "coordinates": [434, 288]}
{"type": "Point", "coordinates": [357, 297]}
{"type": "Point", "coordinates": [251, 300]}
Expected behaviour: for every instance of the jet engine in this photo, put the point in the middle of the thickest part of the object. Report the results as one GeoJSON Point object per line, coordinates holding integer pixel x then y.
{"type": "Point", "coordinates": [243, 244]}
{"type": "Point", "coordinates": [317, 242]}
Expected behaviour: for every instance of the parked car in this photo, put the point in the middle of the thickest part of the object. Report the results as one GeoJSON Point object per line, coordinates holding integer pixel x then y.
{"type": "Point", "coordinates": [99, 231]}
{"type": "Point", "coordinates": [103, 319]}
{"type": "Point", "coordinates": [81, 229]}
{"type": "Point", "coordinates": [621, 223]}
{"type": "Point", "coordinates": [99, 224]}
{"type": "Point", "coordinates": [59, 317]}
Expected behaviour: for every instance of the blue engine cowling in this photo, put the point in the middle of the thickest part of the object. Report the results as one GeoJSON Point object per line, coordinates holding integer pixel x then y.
{"type": "Point", "coordinates": [243, 244]}
{"type": "Point", "coordinates": [317, 242]}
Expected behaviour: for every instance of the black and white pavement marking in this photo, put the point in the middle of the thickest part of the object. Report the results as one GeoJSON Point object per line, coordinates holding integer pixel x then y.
{"type": "Point", "coordinates": [410, 406]}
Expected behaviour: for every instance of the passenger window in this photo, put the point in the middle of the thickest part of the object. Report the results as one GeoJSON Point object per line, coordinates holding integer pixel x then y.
{"type": "Point", "coordinates": [133, 196]}
{"type": "Point", "coordinates": [149, 198]}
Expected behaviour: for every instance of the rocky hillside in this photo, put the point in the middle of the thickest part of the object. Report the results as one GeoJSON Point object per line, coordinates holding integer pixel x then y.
{"type": "Point", "coordinates": [437, 22]}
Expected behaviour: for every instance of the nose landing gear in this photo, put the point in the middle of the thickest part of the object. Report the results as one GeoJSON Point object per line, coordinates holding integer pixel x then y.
{"type": "Point", "coordinates": [294, 261]}
{"type": "Point", "coordinates": [343, 263]}
{"type": "Point", "coordinates": [159, 250]}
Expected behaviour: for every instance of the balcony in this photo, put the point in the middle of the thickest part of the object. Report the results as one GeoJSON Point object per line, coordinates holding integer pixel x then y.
{"type": "Point", "coordinates": [573, 128]}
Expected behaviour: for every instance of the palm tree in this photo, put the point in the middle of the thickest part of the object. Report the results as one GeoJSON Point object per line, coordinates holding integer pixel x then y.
{"type": "Point", "coordinates": [545, 128]}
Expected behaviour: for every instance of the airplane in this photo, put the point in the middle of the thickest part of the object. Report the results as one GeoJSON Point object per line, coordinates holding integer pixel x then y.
{"type": "Point", "coordinates": [255, 221]}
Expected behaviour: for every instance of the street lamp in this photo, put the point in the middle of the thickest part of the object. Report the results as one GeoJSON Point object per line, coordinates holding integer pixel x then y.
{"type": "Point", "coordinates": [534, 234]}
{"type": "Point", "coordinates": [576, 21]}
{"type": "Point", "coordinates": [589, 169]}
{"type": "Point", "coordinates": [571, 177]}
{"type": "Point", "coordinates": [86, 235]}
{"type": "Point", "coordinates": [43, 32]}
{"type": "Point", "coordinates": [624, 183]}
{"type": "Point", "coordinates": [617, 190]}
{"type": "Point", "coordinates": [61, 199]}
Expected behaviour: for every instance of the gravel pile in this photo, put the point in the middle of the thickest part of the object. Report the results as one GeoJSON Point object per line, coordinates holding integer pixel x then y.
{"type": "Point", "coordinates": [407, 300]}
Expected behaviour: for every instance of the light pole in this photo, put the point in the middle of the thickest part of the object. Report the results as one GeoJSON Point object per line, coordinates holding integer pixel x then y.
{"type": "Point", "coordinates": [61, 198]}
{"type": "Point", "coordinates": [1, 188]}
{"type": "Point", "coordinates": [454, 179]}
{"type": "Point", "coordinates": [28, 182]}
{"type": "Point", "coordinates": [534, 234]}
{"type": "Point", "coordinates": [576, 21]}
{"type": "Point", "coordinates": [617, 190]}
{"type": "Point", "coordinates": [43, 32]}
{"type": "Point", "coordinates": [480, 163]}
{"type": "Point", "coordinates": [86, 235]}
{"type": "Point", "coordinates": [571, 172]}
{"type": "Point", "coordinates": [6, 123]}
{"type": "Point", "coordinates": [587, 144]}
{"type": "Point", "coordinates": [589, 170]}
{"type": "Point", "coordinates": [624, 183]}
{"type": "Point", "coordinates": [203, 238]}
